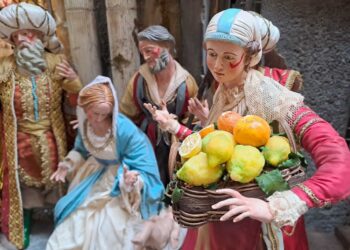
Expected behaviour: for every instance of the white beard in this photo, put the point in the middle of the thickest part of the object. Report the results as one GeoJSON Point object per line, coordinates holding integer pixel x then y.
{"type": "Point", "coordinates": [161, 62]}
{"type": "Point", "coordinates": [30, 57]}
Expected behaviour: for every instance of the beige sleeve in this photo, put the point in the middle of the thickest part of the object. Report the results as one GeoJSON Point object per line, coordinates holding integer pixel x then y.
{"type": "Point", "coordinates": [127, 105]}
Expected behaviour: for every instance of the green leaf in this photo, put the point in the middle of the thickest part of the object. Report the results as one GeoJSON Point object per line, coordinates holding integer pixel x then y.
{"type": "Point", "coordinates": [271, 182]}
{"type": "Point", "coordinates": [212, 186]}
{"type": "Point", "coordinates": [299, 156]}
{"type": "Point", "coordinates": [176, 195]}
{"type": "Point", "coordinates": [293, 162]}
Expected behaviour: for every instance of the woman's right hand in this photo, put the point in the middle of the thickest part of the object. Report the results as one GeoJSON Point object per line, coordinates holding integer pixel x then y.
{"type": "Point", "coordinates": [199, 109]}
{"type": "Point", "coordinates": [61, 172]}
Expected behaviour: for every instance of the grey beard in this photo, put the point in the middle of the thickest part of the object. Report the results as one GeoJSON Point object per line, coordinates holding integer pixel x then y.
{"type": "Point", "coordinates": [30, 57]}
{"type": "Point", "coordinates": [161, 62]}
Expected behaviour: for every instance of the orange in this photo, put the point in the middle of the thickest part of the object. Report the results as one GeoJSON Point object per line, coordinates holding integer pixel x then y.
{"type": "Point", "coordinates": [252, 130]}
{"type": "Point", "coordinates": [227, 121]}
{"type": "Point", "coordinates": [206, 130]}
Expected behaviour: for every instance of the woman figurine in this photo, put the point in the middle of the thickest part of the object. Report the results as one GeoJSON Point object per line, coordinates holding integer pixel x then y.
{"type": "Point", "coordinates": [233, 43]}
{"type": "Point", "coordinates": [116, 183]}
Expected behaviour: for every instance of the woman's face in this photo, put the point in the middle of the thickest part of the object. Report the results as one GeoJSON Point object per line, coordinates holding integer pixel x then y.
{"type": "Point", "coordinates": [226, 62]}
{"type": "Point", "coordinates": [97, 113]}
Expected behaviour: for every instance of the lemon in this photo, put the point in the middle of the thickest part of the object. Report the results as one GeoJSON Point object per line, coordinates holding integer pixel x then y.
{"type": "Point", "coordinates": [191, 146]}
{"type": "Point", "coordinates": [246, 163]}
{"type": "Point", "coordinates": [219, 147]}
{"type": "Point", "coordinates": [276, 150]}
{"type": "Point", "coordinates": [196, 171]}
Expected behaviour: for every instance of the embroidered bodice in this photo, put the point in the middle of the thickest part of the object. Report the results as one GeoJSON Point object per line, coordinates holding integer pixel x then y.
{"type": "Point", "coordinates": [102, 147]}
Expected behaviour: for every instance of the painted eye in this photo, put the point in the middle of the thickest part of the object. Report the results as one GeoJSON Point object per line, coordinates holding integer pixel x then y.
{"type": "Point", "coordinates": [229, 58]}
{"type": "Point", "coordinates": [212, 54]}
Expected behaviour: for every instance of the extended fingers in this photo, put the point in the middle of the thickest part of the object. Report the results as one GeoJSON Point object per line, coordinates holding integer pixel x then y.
{"type": "Point", "coordinates": [63, 68]}
{"type": "Point", "coordinates": [125, 170]}
{"type": "Point", "coordinates": [227, 202]}
{"type": "Point", "coordinates": [205, 104]}
{"type": "Point", "coordinates": [241, 216]}
{"type": "Point", "coordinates": [61, 178]}
{"type": "Point", "coordinates": [230, 192]}
{"type": "Point", "coordinates": [53, 176]}
{"type": "Point", "coordinates": [233, 212]}
{"type": "Point", "coordinates": [152, 109]}
{"type": "Point", "coordinates": [197, 102]}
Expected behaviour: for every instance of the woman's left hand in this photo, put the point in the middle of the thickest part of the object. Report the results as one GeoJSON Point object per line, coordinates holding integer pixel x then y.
{"type": "Point", "coordinates": [241, 207]}
{"type": "Point", "coordinates": [66, 71]}
{"type": "Point", "coordinates": [130, 176]}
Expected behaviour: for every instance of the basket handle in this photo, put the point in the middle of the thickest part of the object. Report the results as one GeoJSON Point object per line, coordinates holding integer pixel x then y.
{"type": "Point", "coordinates": [172, 157]}
{"type": "Point", "coordinates": [290, 135]}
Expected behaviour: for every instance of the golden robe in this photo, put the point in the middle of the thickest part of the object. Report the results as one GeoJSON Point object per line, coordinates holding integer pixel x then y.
{"type": "Point", "coordinates": [33, 136]}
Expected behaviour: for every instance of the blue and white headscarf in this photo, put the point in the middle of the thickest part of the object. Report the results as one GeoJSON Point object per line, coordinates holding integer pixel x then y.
{"type": "Point", "coordinates": [242, 28]}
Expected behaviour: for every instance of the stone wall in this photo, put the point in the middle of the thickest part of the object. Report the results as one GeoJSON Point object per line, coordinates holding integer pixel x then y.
{"type": "Point", "coordinates": [315, 39]}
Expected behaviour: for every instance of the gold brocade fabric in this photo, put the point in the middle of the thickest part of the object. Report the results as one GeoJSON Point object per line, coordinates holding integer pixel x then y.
{"type": "Point", "coordinates": [50, 104]}
{"type": "Point", "coordinates": [32, 128]}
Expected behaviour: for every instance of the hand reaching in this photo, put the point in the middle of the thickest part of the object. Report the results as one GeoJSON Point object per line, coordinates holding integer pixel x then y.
{"type": "Point", "coordinates": [241, 207]}
{"type": "Point", "coordinates": [162, 116]}
{"type": "Point", "coordinates": [65, 70]}
{"type": "Point", "coordinates": [200, 110]}
{"type": "Point", "coordinates": [130, 177]}
{"type": "Point", "coordinates": [74, 123]}
{"type": "Point", "coordinates": [61, 172]}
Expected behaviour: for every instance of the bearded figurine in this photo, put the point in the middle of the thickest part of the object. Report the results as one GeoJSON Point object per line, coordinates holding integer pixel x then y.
{"type": "Point", "coordinates": [162, 82]}
{"type": "Point", "coordinates": [33, 82]}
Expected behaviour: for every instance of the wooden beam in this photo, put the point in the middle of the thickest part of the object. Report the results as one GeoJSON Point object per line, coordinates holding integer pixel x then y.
{"type": "Point", "coordinates": [83, 38]}
{"type": "Point", "coordinates": [121, 18]}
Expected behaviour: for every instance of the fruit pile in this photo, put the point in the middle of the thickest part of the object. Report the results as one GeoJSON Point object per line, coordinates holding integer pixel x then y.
{"type": "Point", "coordinates": [235, 147]}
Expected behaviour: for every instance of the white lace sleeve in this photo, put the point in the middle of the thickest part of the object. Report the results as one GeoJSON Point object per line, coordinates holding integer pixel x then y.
{"type": "Point", "coordinates": [286, 208]}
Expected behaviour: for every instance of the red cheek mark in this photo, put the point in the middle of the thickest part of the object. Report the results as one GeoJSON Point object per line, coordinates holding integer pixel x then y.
{"type": "Point", "coordinates": [234, 65]}
{"type": "Point", "coordinates": [156, 51]}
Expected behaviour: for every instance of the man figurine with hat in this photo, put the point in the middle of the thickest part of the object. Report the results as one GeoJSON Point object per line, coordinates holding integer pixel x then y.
{"type": "Point", "coordinates": [33, 134]}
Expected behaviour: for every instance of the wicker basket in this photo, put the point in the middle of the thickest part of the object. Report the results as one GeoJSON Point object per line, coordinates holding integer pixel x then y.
{"type": "Point", "coordinates": [193, 209]}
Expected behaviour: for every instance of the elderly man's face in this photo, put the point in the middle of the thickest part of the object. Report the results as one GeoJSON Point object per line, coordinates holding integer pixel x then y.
{"type": "Point", "coordinates": [156, 57]}
{"type": "Point", "coordinates": [22, 37]}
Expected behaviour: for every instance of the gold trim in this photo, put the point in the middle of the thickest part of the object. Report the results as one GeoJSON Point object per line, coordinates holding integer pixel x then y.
{"type": "Point", "coordinates": [46, 163]}
{"type": "Point", "coordinates": [7, 68]}
{"type": "Point", "coordinates": [42, 148]}
{"type": "Point", "coordinates": [272, 237]}
{"type": "Point", "coordinates": [42, 91]}
{"type": "Point", "coordinates": [307, 125]}
{"type": "Point", "coordinates": [300, 116]}
{"type": "Point", "coordinates": [15, 209]}
{"type": "Point", "coordinates": [313, 197]}
{"type": "Point", "coordinates": [7, 88]}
